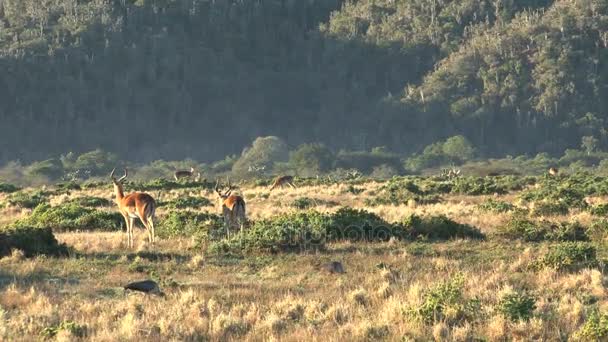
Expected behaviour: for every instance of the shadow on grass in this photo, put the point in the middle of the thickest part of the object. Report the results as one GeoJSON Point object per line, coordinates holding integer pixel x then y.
{"type": "Point", "coordinates": [147, 255]}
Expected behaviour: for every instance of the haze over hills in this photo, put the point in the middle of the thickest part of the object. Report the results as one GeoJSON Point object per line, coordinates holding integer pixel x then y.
{"type": "Point", "coordinates": [191, 78]}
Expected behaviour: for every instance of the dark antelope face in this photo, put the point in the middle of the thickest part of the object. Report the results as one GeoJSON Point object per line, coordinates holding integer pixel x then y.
{"type": "Point", "coordinates": [225, 194]}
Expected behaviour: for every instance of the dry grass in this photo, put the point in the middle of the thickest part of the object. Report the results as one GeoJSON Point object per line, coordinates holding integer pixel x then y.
{"type": "Point", "coordinates": [286, 297]}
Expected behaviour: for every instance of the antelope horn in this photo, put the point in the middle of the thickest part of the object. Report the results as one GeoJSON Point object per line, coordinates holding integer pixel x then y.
{"type": "Point", "coordinates": [123, 177]}
{"type": "Point", "coordinates": [112, 174]}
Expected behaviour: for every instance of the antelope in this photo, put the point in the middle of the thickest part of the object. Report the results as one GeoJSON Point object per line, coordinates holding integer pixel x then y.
{"type": "Point", "coordinates": [281, 181]}
{"type": "Point", "coordinates": [233, 207]}
{"type": "Point", "coordinates": [132, 206]}
{"type": "Point", "coordinates": [187, 174]}
{"type": "Point", "coordinates": [553, 171]}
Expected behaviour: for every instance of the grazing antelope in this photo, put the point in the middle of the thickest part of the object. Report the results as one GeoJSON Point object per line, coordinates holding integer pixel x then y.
{"type": "Point", "coordinates": [132, 206]}
{"type": "Point", "coordinates": [233, 207]}
{"type": "Point", "coordinates": [553, 171]}
{"type": "Point", "coordinates": [187, 174]}
{"type": "Point", "coordinates": [281, 181]}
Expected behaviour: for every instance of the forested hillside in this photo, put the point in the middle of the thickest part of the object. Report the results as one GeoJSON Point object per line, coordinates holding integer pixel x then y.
{"type": "Point", "coordinates": [202, 78]}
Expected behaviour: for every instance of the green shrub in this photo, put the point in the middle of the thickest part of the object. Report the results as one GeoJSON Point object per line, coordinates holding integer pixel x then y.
{"type": "Point", "coordinates": [446, 297]}
{"type": "Point", "coordinates": [595, 328]}
{"type": "Point", "coordinates": [189, 223]}
{"type": "Point", "coordinates": [187, 202]}
{"type": "Point", "coordinates": [437, 228]}
{"type": "Point", "coordinates": [549, 208]}
{"type": "Point", "coordinates": [477, 186]}
{"type": "Point", "coordinates": [91, 202]}
{"type": "Point", "coordinates": [399, 191]}
{"type": "Point", "coordinates": [70, 216]}
{"type": "Point", "coordinates": [311, 159]}
{"type": "Point", "coordinates": [495, 206]}
{"type": "Point", "coordinates": [599, 210]}
{"type": "Point", "coordinates": [75, 330]}
{"type": "Point", "coordinates": [288, 232]}
{"type": "Point", "coordinates": [28, 200]}
{"type": "Point", "coordinates": [570, 256]}
{"type": "Point", "coordinates": [517, 306]}
{"type": "Point", "coordinates": [164, 184]}
{"type": "Point", "coordinates": [8, 188]}
{"type": "Point", "coordinates": [31, 240]}
{"type": "Point", "coordinates": [304, 203]}
{"type": "Point", "coordinates": [519, 227]}
{"type": "Point", "coordinates": [66, 187]}
{"type": "Point", "coordinates": [598, 231]}
{"type": "Point", "coordinates": [355, 225]}
{"type": "Point", "coordinates": [50, 168]}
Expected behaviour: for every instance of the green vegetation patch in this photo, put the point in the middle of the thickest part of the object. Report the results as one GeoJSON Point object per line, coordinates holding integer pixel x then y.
{"type": "Point", "coordinates": [8, 188]}
{"type": "Point", "coordinates": [436, 228]}
{"type": "Point", "coordinates": [517, 306]}
{"type": "Point", "coordinates": [91, 202]}
{"type": "Point", "coordinates": [446, 302]}
{"type": "Point", "coordinates": [31, 240]}
{"type": "Point", "coordinates": [520, 227]}
{"type": "Point", "coordinates": [28, 200]}
{"type": "Point", "coordinates": [304, 203]}
{"type": "Point", "coordinates": [202, 226]}
{"type": "Point", "coordinates": [496, 206]}
{"type": "Point", "coordinates": [70, 217]}
{"type": "Point", "coordinates": [569, 256]}
{"type": "Point", "coordinates": [595, 327]}
{"type": "Point", "coordinates": [164, 184]}
{"type": "Point", "coordinates": [187, 202]}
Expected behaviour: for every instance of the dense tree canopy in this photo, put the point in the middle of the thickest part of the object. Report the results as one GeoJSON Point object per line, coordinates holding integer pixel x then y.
{"type": "Point", "coordinates": [150, 79]}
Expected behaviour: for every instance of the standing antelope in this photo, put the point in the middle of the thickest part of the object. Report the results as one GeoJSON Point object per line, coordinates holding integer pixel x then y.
{"type": "Point", "coordinates": [281, 181]}
{"type": "Point", "coordinates": [187, 174]}
{"type": "Point", "coordinates": [553, 171]}
{"type": "Point", "coordinates": [233, 208]}
{"type": "Point", "coordinates": [132, 206]}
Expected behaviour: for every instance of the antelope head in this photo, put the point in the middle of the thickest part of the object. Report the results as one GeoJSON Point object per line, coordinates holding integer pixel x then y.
{"type": "Point", "coordinates": [226, 193]}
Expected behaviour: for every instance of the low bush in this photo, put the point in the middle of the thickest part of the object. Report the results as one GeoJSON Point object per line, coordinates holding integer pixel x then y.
{"type": "Point", "coordinates": [31, 240]}
{"type": "Point", "coordinates": [73, 328]}
{"type": "Point", "coordinates": [8, 188]}
{"type": "Point", "coordinates": [399, 191]}
{"type": "Point", "coordinates": [569, 256]}
{"type": "Point", "coordinates": [28, 200]}
{"type": "Point", "coordinates": [446, 302]}
{"type": "Point", "coordinates": [517, 306]}
{"type": "Point", "coordinates": [91, 202]}
{"type": "Point", "coordinates": [520, 227]}
{"type": "Point", "coordinates": [549, 208]}
{"type": "Point", "coordinates": [288, 232]}
{"type": "Point", "coordinates": [595, 327]}
{"type": "Point", "coordinates": [495, 206]}
{"type": "Point", "coordinates": [436, 228]}
{"type": "Point", "coordinates": [598, 231]}
{"type": "Point", "coordinates": [202, 226]}
{"type": "Point", "coordinates": [356, 225]}
{"type": "Point", "coordinates": [599, 210]}
{"type": "Point", "coordinates": [164, 184]}
{"type": "Point", "coordinates": [187, 202]}
{"type": "Point", "coordinates": [304, 203]}
{"type": "Point", "coordinates": [477, 186]}
{"type": "Point", "coordinates": [68, 217]}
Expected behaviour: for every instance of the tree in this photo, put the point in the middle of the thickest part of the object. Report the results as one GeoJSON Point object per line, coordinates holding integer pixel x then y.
{"type": "Point", "coordinates": [458, 148]}
{"type": "Point", "coordinates": [589, 143]}
{"type": "Point", "coordinates": [263, 153]}
{"type": "Point", "coordinates": [309, 160]}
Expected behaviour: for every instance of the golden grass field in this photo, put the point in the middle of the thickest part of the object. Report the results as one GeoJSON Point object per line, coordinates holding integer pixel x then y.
{"type": "Point", "coordinates": [289, 297]}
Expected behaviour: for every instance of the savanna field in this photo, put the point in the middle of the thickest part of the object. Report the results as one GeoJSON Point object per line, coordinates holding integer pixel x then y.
{"type": "Point", "coordinates": [496, 258]}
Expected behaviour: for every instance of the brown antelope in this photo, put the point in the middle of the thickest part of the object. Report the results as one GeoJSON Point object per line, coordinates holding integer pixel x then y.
{"type": "Point", "coordinates": [281, 181]}
{"type": "Point", "coordinates": [187, 174]}
{"type": "Point", "coordinates": [553, 171]}
{"type": "Point", "coordinates": [132, 206]}
{"type": "Point", "coordinates": [233, 207]}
